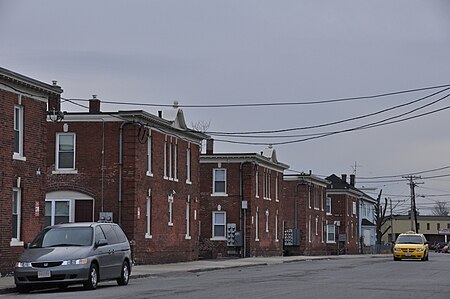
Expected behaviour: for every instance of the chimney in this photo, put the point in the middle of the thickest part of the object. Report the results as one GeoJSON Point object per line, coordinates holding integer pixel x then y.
{"type": "Point", "coordinates": [352, 180]}
{"type": "Point", "coordinates": [94, 104]}
{"type": "Point", "coordinates": [210, 146]}
{"type": "Point", "coordinates": [159, 113]}
{"type": "Point", "coordinates": [344, 177]}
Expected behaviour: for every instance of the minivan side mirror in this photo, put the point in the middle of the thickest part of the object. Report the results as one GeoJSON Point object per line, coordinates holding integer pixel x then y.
{"type": "Point", "coordinates": [101, 242]}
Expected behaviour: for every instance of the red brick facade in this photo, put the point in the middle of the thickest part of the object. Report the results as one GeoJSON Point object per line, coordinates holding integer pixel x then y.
{"type": "Point", "coordinates": [154, 206]}
{"type": "Point", "coordinates": [305, 210]}
{"type": "Point", "coordinates": [22, 174]}
{"type": "Point", "coordinates": [256, 214]}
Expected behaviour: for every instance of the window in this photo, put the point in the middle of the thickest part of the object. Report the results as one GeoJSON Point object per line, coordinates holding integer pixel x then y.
{"type": "Point", "coordinates": [257, 183]}
{"type": "Point", "coordinates": [170, 201]}
{"type": "Point", "coordinates": [316, 198]}
{"type": "Point", "coordinates": [15, 229]}
{"type": "Point", "coordinates": [219, 220]}
{"type": "Point", "coordinates": [220, 179]}
{"type": "Point", "coordinates": [328, 206]}
{"type": "Point", "coordinates": [257, 224]}
{"type": "Point", "coordinates": [57, 211]}
{"type": "Point", "coordinates": [148, 216]}
{"type": "Point", "coordinates": [354, 207]}
{"type": "Point", "coordinates": [317, 226]}
{"type": "Point", "coordinates": [165, 158]}
{"type": "Point", "coordinates": [276, 226]}
{"type": "Point", "coordinates": [276, 188]}
{"type": "Point", "coordinates": [175, 160]}
{"type": "Point", "coordinates": [331, 237]}
{"type": "Point", "coordinates": [170, 160]}
{"type": "Point", "coordinates": [188, 164]}
{"type": "Point", "coordinates": [438, 226]}
{"type": "Point", "coordinates": [428, 226]}
{"type": "Point", "coordinates": [267, 220]}
{"type": "Point", "coordinates": [266, 184]}
{"type": "Point", "coordinates": [188, 217]}
{"type": "Point", "coordinates": [448, 225]}
{"type": "Point", "coordinates": [149, 156]}
{"type": "Point", "coordinates": [65, 151]}
{"type": "Point", "coordinates": [18, 131]}
{"type": "Point", "coordinates": [309, 229]}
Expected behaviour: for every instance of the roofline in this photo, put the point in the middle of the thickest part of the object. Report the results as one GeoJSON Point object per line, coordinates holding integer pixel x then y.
{"type": "Point", "coordinates": [30, 82]}
{"type": "Point", "coordinates": [304, 176]}
{"type": "Point", "coordinates": [241, 157]}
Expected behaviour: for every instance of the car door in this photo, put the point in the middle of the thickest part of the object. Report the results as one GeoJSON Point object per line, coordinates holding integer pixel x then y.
{"type": "Point", "coordinates": [103, 254]}
{"type": "Point", "coordinates": [115, 262]}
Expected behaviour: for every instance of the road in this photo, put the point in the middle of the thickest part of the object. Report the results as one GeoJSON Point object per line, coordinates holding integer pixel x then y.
{"type": "Point", "coordinates": [360, 277]}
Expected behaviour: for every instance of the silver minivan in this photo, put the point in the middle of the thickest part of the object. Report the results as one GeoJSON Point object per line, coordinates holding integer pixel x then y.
{"type": "Point", "coordinates": [74, 253]}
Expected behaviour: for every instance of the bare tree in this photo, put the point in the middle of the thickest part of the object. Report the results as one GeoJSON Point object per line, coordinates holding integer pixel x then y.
{"type": "Point", "coordinates": [380, 218]}
{"type": "Point", "coordinates": [201, 125]}
{"type": "Point", "coordinates": [440, 209]}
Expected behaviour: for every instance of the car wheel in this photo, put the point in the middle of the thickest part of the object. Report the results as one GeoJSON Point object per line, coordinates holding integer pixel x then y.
{"type": "Point", "coordinates": [396, 258]}
{"type": "Point", "coordinates": [91, 283]}
{"type": "Point", "coordinates": [23, 289]}
{"type": "Point", "coordinates": [124, 274]}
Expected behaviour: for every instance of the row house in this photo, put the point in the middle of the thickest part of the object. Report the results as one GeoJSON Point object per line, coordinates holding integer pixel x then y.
{"type": "Point", "coordinates": [367, 225]}
{"type": "Point", "coordinates": [306, 214]}
{"type": "Point", "coordinates": [130, 167]}
{"type": "Point", "coordinates": [23, 145]}
{"type": "Point", "coordinates": [241, 203]}
{"type": "Point", "coordinates": [342, 228]}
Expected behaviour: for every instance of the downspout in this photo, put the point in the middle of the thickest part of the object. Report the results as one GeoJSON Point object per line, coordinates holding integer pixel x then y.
{"type": "Point", "coordinates": [103, 164]}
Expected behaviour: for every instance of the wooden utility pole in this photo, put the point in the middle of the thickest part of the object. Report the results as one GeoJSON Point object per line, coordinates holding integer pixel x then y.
{"type": "Point", "coordinates": [412, 185]}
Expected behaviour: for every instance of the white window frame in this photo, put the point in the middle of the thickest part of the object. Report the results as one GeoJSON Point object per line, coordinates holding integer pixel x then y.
{"type": "Point", "coordinates": [215, 193]}
{"type": "Point", "coordinates": [276, 188]}
{"type": "Point", "coordinates": [17, 199]}
{"type": "Point", "coordinates": [188, 218]}
{"type": "Point", "coordinates": [57, 166]}
{"type": "Point", "coordinates": [309, 229]}
{"type": "Point", "coordinates": [224, 224]}
{"type": "Point", "coordinates": [188, 164]}
{"type": "Point", "coordinates": [18, 127]}
{"type": "Point", "coordinates": [170, 159]}
{"type": "Point", "coordinates": [149, 155]}
{"type": "Point", "coordinates": [328, 206]}
{"type": "Point", "coordinates": [276, 226]}
{"type": "Point", "coordinates": [175, 161]}
{"type": "Point", "coordinates": [170, 200]}
{"type": "Point", "coordinates": [53, 205]}
{"type": "Point", "coordinates": [331, 228]}
{"type": "Point", "coordinates": [148, 216]}
{"type": "Point", "coordinates": [257, 225]}
{"type": "Point", "coordinates": [317, 225]}
{"type": "Point", "coordinates": [165, 158]}
{"type": "Point", "coordinates": [354, 207]}
{"type": "Point", "coordinates": [267, 220]}
{"type": "Point", "coordinates": [257, 183]}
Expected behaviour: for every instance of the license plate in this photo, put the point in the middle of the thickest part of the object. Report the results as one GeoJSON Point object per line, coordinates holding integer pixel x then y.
{"type": "Point", "coordinates": [44, 274]}
{"type": "Point", "coordinates": [408, 254]}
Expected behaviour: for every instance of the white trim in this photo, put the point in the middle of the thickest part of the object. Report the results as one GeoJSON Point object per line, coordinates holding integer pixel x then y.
{"type": "Point", "coordinates": [18, 208]}
{"type": "Point", "coordinates": [224, 193]}
{"type": "Point", "coordinates": [20, 129]}
{"type": "Point", "coordinates": [57, 167]}
{"type": "Point", "coordinates": [75, 171]}
{"type": "Point", "coordinates": [224, 237]}
{"type": "Point", "coordinates": [16, 156]}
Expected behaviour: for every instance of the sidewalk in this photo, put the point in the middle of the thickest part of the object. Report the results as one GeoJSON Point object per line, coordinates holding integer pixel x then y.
{"type": "Point", "coordinates": [140, 271]}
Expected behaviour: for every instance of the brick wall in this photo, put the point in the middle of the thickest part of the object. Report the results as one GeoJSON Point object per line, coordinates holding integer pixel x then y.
{"type": "Point", "coordinates": [32, 183]}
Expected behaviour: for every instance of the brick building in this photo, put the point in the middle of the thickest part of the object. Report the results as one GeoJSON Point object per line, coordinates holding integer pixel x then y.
{"type": "Point", "coordinates": [306, 214]}
{"type": "Point", "coordinates": [342, 227]}
{"type": "Point", "coordinates": [23, 131]}
{"type": "Point", "coordinates": [241, 193]}
{"type": "Point", "coordinates": [134, 168]}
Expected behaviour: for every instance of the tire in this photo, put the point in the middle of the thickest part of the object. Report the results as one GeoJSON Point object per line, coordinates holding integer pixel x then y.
{"type": "Point", "coordinates": [396, 258]}
{"type": "Point", "coordinates": [425, 257]}
{"type": "Point", "coordinates": [23, 289]}
{"type": "Point", "coordinates": [91, 283]}
{"type": "Point", "coordinates": [124, 274]}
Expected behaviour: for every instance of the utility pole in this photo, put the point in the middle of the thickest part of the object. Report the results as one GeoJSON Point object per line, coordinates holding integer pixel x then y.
{"type": "Point", "coordinates": [414, 224]}
{"type": "Point", "coordinates": [392, 222]}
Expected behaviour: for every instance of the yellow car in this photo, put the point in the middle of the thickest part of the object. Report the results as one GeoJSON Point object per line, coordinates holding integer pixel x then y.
{"type": "Point", "coordinates": [411, 245]}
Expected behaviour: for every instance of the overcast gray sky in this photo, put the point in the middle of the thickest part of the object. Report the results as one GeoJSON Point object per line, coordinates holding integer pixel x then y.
{"type": "Point", "coordinates": [234, 52]}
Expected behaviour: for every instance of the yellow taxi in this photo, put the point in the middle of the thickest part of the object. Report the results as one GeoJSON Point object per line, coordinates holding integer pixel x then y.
{"type": "Point", "coordinates": [411, 245]}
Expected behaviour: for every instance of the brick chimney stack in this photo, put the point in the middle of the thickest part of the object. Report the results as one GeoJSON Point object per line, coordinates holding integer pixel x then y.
{"type": "Point", "coordinates": [352, 180]}
{"type": "Point", "coordinates": [344, 177]}
{"type": "Point", "coordinates": [210, 146]}
{"type": "Point", "coordinates": [94, 104]}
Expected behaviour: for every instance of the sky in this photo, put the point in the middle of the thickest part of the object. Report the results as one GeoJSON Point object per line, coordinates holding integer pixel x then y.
{"type": "Point", "coordinates": [300, 53]}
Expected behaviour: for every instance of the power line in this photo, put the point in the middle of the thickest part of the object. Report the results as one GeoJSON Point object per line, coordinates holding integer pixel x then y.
{"type": "Point", "coordinates": [276, 103]}
{"type": "Point", "coordinates": [367, 126]}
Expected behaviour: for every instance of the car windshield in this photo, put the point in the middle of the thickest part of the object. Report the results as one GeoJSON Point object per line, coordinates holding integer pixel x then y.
{"type": "Point", "coordinates": [409, 240]}
{"type": "Point", "coordinates": [63, 236]}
